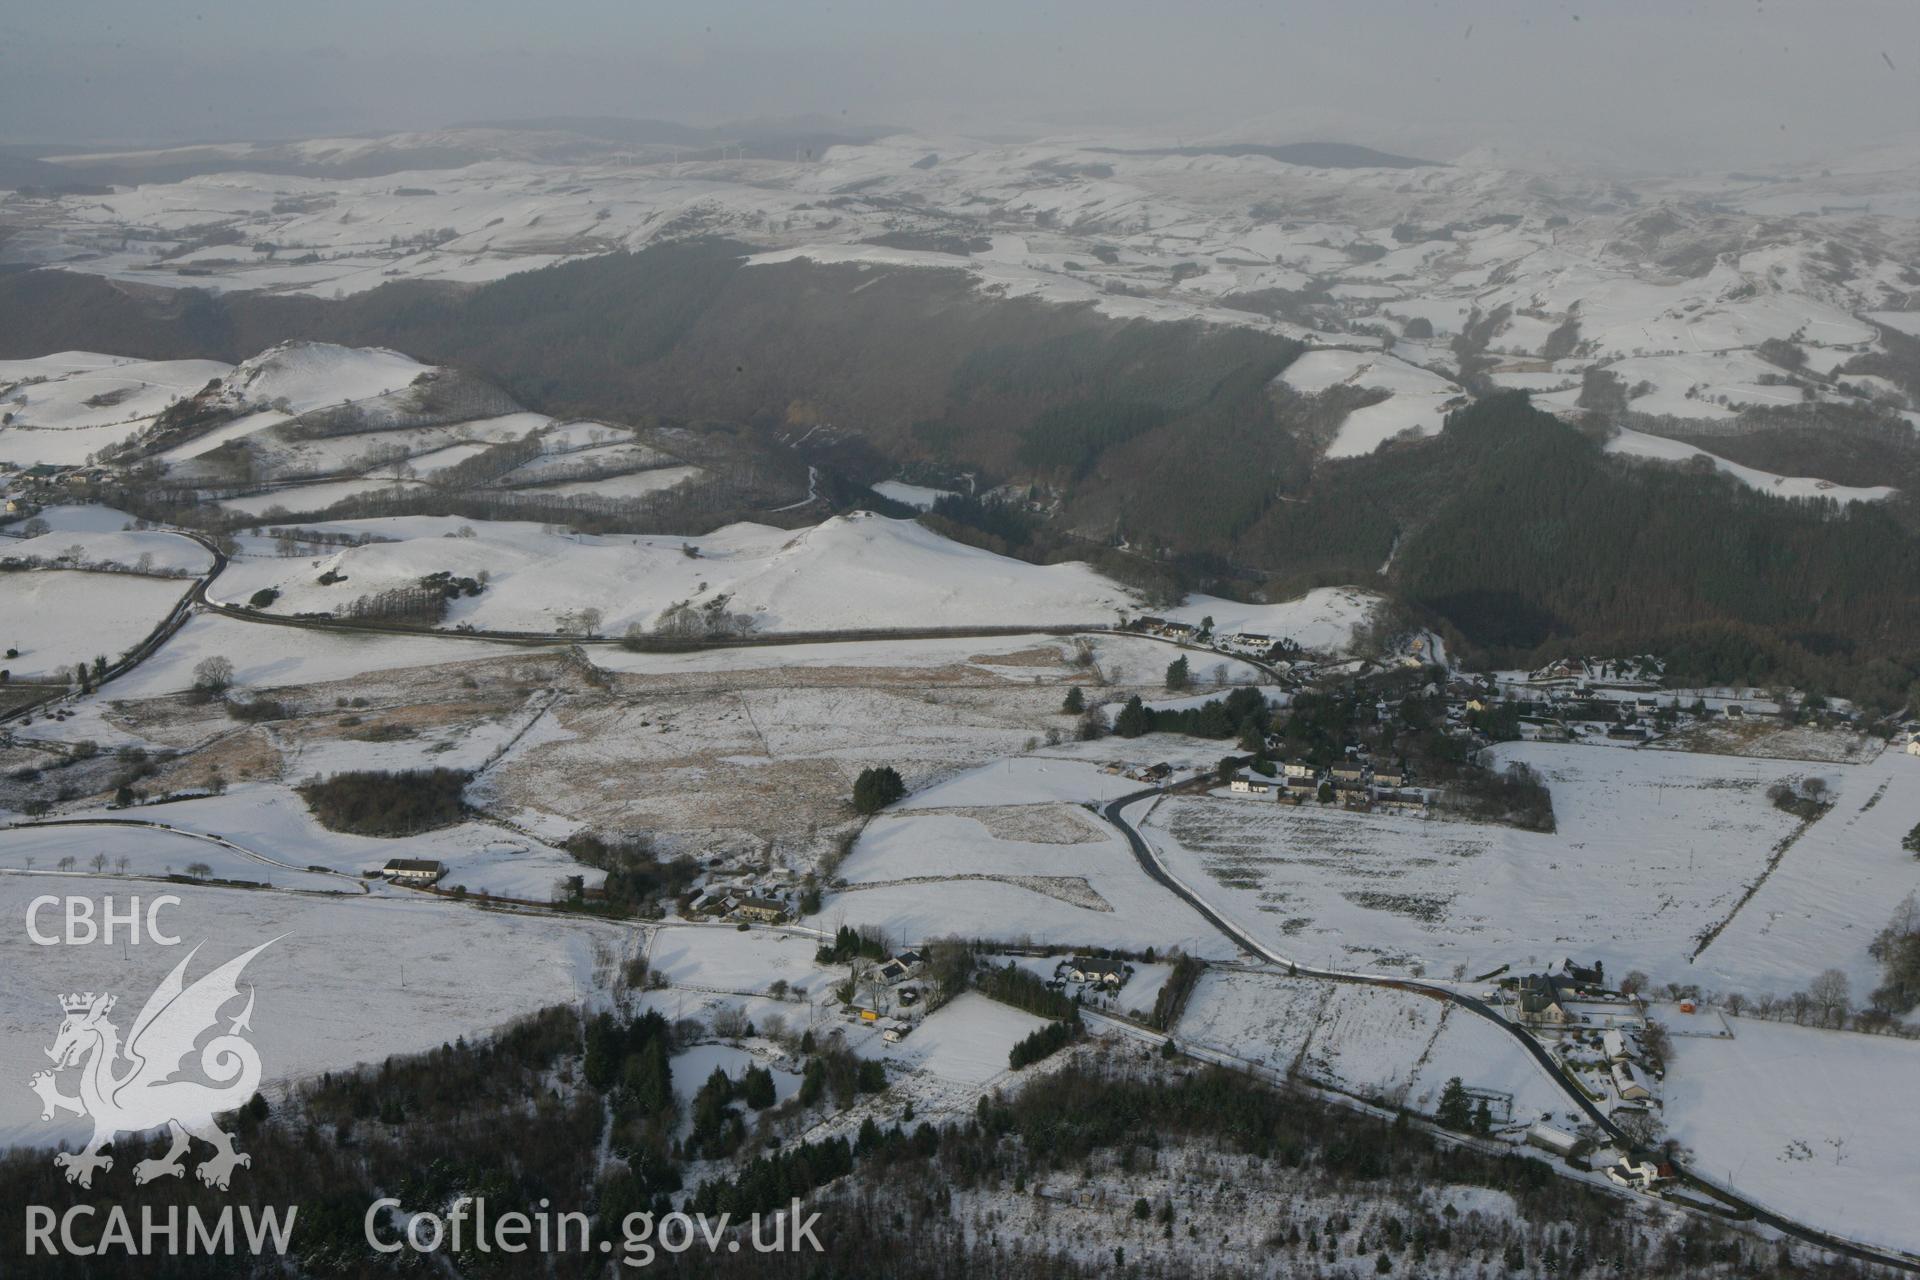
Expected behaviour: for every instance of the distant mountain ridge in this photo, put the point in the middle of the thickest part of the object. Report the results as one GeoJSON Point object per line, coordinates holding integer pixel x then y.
{"type": "Point", "coordinates": [1310, 155]}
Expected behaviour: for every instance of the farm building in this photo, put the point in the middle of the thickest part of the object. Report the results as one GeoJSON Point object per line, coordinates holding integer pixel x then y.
{"type": "Point", "coordinates": [1548, 1138]}
{"type": "Point", "coordinates": [420, 871]}
{"type": "Point", "coordinates": [765, 910]}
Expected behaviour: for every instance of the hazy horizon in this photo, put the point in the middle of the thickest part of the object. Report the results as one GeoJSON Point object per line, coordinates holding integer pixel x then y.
{"type": "Point", "coordinates": [1634, 83]}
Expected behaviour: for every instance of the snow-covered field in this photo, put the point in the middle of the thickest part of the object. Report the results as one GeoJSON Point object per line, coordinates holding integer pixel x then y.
{"type": "Point", "coordinates": [1371, 1042]}
{"type": "Point", "coordinates": [725, 960]}
{"type": "Point", "coordinates": [67, 406]}
{"type": "Point", "coordinates": [1819, 1125]}
{"type": "Point", "coordinates": [852, 571]}
{"type": "Point", "coordinates": [965, 1042]}
{"type": "Point", "coordinates": [266, 657]}
{"type": "Point", "coordinates": [144, 551]}
{"type": "Point", "coordinates": [1415, 404]}
{"type": "Point", "coordinates": [913, 495]}
{"type": "Point", "coordinates": [967, 873]}
{"type": "Point", "coordinates": [1652, 849]}
{"type": "Point", "coordinates": [274, 822]}
{"type": "Point", "coordinates": [1833, 890]}
{"type": "Point", "coordinates": [150, 854]}
{"type": "Point", "coordinates": [1640, 445]}
{"type": "Point", "coordinates": [349, 980]}
{"type": "Point", "coordinates": [59, 618]}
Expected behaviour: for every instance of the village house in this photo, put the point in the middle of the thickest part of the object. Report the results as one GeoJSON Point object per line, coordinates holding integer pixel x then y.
{"type": "Point", "coordinates": [1627, 1084]}
{"type": "Point", "coordinates": [1252, 784]}
{"type": "Point", "coordinates": [1299, 769]}
{"type": "Point", "coordinates": [1105, 973]}
{"type": "Point", "coordinates": [1615, 1043]}
{"type": "Point", "coordinates": [1542, 999]}
{"type": "Point", "coordinates": [892, 971]}
{"type": "Point", "coordinates": [1346, 773]}
{"type": "Point", "coordinates": [765, 910]}
{"type": "Point", "coordinates": [1642, 1175]}
{"type": "Point", "coordinates": [414, 871]}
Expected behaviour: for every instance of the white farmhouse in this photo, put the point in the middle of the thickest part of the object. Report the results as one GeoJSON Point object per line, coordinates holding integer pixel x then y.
{"type": "Point", "coordinates": [414, 871]}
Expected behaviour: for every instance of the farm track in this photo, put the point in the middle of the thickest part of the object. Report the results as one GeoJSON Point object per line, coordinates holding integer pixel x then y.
{"type": "Point", "coordinates": [1155, 870]}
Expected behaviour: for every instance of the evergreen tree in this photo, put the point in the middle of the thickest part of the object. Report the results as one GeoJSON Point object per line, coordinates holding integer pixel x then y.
{"type": "Point", "coordinates": [875, 789]}
{"type": "Point", "coordinates": [1075, 702]}
{"type": "Point", "coordinates": [1454, 1111]}
{"type": "Point", "coordinates": [1133, 719]}
{"type": "Point", "coordinates": [1179, 675]}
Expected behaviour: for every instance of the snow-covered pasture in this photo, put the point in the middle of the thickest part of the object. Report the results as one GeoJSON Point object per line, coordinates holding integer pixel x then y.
{"type": "Point", "coordinates": [349, 980]}
{"type": "Point", "coordinates": [726, 961]}
{"type": "Point", "coordinates": [273, 821]}
{"type": "Point", "coordinates": [58, 618]}
{"type": "Point", "coordinates": [1372, 1042]}
{"type": "Point", "coordinates": [1010, 871]}
{"type": "Point", "coordinates": [1652, 849]}
{"type": "Point", "coordinates": [966, 1041]}
{"type": "Point", "coordinates": [146, 551]}
{"type": "Point", "coordinates": [88, 402]}
{"type": "Point", "coordinates": [149, 854]}
{"type": "Point", "coordinates": [1819, 1125]}
{"type": "Point", "coordinates": [267, 657]}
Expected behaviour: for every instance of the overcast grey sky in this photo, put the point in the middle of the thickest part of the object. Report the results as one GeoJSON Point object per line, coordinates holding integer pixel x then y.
{"type": "Point", "coordinates": [1667, 82]}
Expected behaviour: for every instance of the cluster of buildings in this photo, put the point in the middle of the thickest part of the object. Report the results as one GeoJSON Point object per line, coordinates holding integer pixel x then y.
{"type": "Point", "coordinates": [761, 899]}
{"type": "Point", "coordinates": [1099, 972]}
{"type": "Point", "coordinates": [1246, 644]}
{"type": "Point", "coordinates": [1353, 784]}
{"type": "Point", "coordinates": [890, 995]}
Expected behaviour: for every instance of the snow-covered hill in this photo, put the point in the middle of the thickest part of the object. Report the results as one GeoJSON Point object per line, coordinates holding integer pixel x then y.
{"type": "Point", "coordinates": [1704, 296]}
{"type": "Point", "coordinates": [851, 572]}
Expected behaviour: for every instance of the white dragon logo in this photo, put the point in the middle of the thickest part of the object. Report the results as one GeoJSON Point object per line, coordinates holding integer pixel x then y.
{"type": "Point", "coordinates": [145, 1095]}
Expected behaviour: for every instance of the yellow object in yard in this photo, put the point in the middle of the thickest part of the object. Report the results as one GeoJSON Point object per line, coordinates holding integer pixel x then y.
{"type": "Point", "coordinates": [868, 1015]}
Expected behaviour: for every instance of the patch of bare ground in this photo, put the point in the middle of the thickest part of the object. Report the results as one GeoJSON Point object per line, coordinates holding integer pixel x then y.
{"type": "Point", "coordinates": [1073, 890]}
{"type": "Point", "coordinates": [1031, 823]}
{"type": "Point", "coordinates": [240, 755]}
{"type": "Point", "coordinates": [1770, 739]}
{"type": "Point", "coordinates": [774, 677]}
{"type": "Point", "coordinates": [1049, 656]}
{"type": "Point", "coordinates": [765, 768]}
